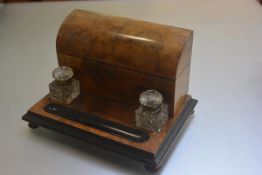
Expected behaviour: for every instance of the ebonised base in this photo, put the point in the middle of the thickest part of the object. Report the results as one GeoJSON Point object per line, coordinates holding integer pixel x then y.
{"type": "Point", "coordinates": [152, 163]}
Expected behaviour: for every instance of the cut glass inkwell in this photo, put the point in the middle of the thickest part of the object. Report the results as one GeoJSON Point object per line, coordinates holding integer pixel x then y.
{"type": "Point", "coordinates": [152, 114]}
{"type": "Point", "coordinates": [64, 88]}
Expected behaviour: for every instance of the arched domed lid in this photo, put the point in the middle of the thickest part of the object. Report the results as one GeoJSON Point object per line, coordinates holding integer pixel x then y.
{"type": "Point", "coordinates": [131, 44]}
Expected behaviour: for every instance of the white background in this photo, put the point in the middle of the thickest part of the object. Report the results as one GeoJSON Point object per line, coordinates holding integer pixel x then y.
{"type": "Point", "coordinates": [223, 137]}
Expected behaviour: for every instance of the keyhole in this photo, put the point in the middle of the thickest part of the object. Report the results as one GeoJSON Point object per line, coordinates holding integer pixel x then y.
{"type": "Point", "coordinates": [110, 72]}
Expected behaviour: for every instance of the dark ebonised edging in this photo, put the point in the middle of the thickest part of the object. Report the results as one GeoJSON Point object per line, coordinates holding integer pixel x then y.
{"type": "Point", "coordinates": [97, 122]}
{"type": "Point", "coordinates": [139, 155]}
{"type": "Point", "coordinates": [168, 144]}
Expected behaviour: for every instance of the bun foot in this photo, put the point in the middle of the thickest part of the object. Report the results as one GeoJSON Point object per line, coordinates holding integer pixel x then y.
{"type": "Point", "coordinates": [32, 126]}
{"type": "Point", "coordinates": [151, 169]}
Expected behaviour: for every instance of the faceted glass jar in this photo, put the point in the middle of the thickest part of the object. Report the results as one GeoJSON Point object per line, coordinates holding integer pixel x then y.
{"type": "Point", "coordinates": [152, 114]}
{"type": "Point", "coordinates": [64, 88]}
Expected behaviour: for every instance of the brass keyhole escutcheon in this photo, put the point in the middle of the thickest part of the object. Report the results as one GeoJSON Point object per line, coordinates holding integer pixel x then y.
{"type": "Point", "coordinates": [110, 72]}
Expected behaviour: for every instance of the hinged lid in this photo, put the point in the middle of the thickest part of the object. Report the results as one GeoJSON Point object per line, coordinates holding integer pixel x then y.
{"type": "Point", "coordinates": [136, 45]}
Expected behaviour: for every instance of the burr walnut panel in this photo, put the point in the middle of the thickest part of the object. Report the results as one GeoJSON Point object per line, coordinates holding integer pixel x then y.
{"type": "Point", "coordinates": [118, 58]}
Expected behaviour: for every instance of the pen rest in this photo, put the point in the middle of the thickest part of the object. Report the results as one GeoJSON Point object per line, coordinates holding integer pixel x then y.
{"type": "Point", "coordinates": [151, 152]}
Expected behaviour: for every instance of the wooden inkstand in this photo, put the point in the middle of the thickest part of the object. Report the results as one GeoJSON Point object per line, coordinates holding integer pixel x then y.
{"type": "Point", "coordinates": [115, 59]}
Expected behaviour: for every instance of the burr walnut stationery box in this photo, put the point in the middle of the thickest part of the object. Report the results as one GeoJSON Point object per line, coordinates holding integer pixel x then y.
{"type": "Point", "coordinates": [115, 59]}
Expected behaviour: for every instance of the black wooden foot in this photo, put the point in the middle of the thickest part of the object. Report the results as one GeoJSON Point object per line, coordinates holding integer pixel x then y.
{"type": "Point", "coordinates": [32, 126]}
{"type": "Point", "coordinates": [151, 169]}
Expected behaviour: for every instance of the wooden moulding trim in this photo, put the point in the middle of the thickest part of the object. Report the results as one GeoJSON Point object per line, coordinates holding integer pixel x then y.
{"type": "Point", "coordinates": [139, 155]}
{"type": "Point", "coordinates": [89, 137]}
{"type": "Point", "coordinates": [169, 143]}
{"type": "Point", "coordinates": [61, 54]}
